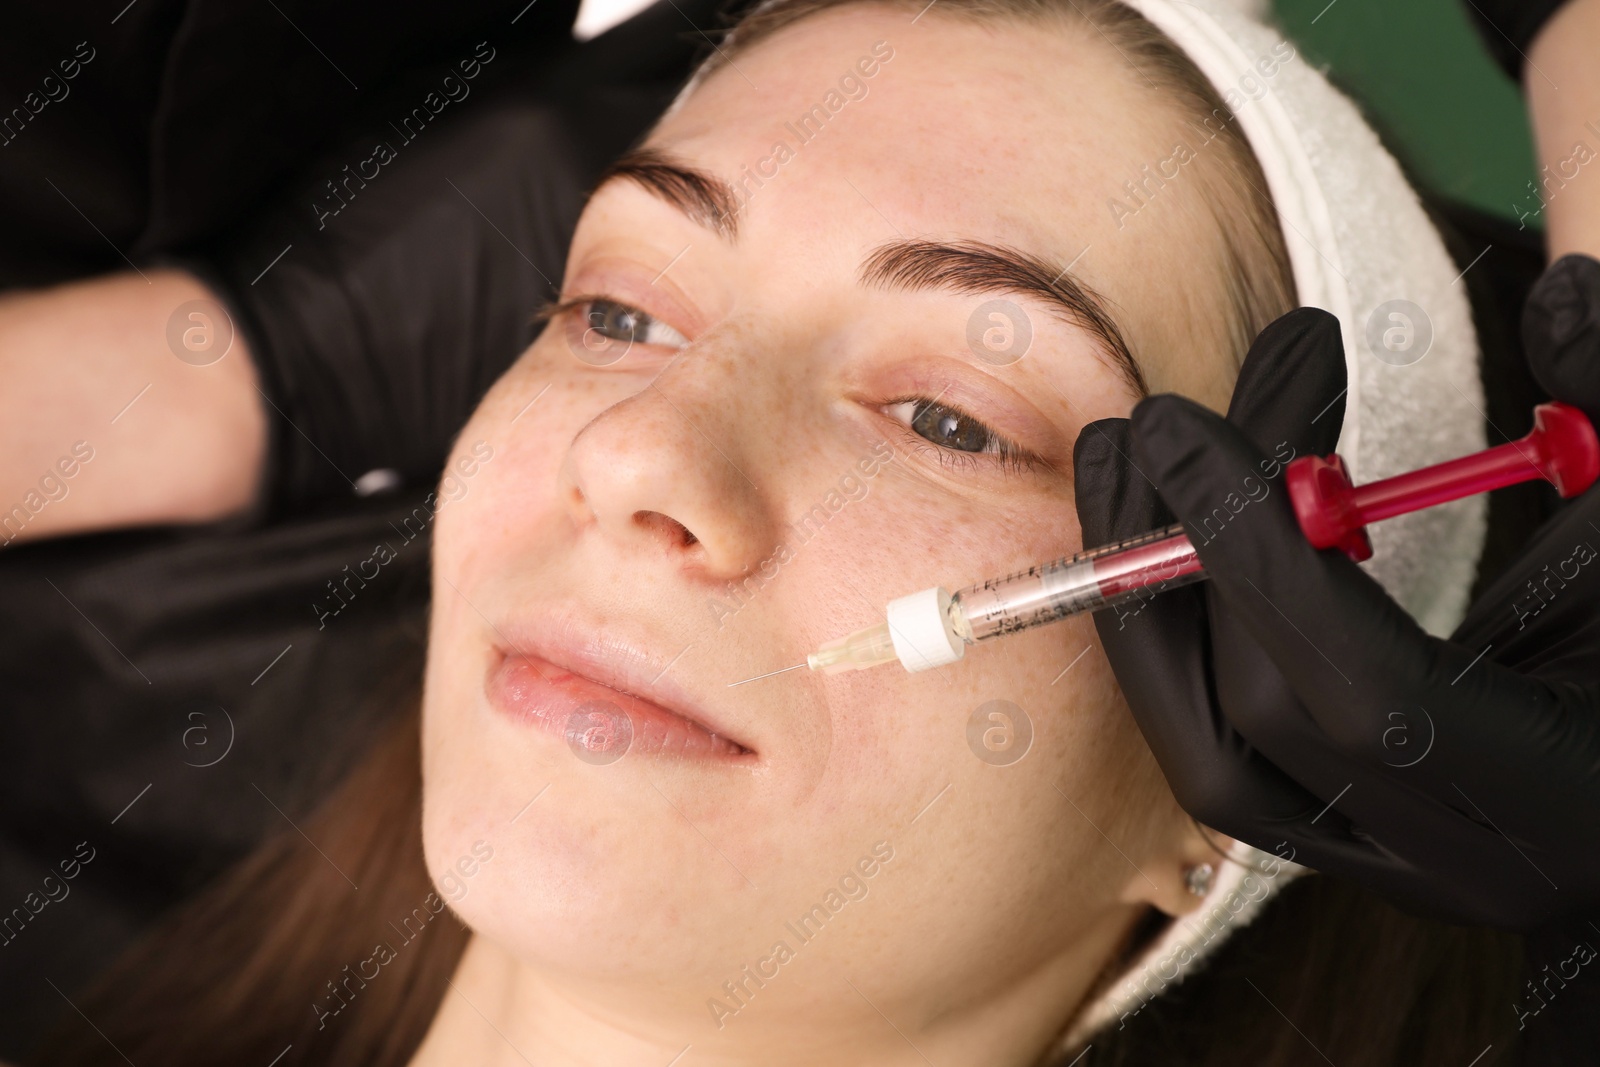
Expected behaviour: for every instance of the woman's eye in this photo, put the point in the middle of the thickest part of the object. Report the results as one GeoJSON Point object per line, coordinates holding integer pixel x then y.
{"type": "Point", "coordinates": [945, 426]}
{"type": "Point", "coordinates": [616, 321]}
{"type": "Point", "coordinates": [955, 430]}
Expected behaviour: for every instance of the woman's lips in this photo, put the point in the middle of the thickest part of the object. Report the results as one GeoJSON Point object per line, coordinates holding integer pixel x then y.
{"type": "Point", "coordinates": [600, 724]}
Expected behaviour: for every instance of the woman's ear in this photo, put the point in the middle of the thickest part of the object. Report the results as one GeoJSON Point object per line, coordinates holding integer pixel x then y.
{"type": "Point", "coordinates": [1176, 879]}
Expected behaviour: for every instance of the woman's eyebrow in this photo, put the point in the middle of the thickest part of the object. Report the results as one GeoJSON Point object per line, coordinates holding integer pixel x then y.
{"type": "Point", "coordinates": [967, 266]}
{"type": "Point", "coordinates": [702, 196]}
{"type": "Point", "coordinates": [974, 267]}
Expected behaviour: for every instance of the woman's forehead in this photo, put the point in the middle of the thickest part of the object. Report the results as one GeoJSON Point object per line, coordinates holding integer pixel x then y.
{"type": "Point", "coordinates": [862, 125]}
{"type": "Point", "coordinates": [946, 106]}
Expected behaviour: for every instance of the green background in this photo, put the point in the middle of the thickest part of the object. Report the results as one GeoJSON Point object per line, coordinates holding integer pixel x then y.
{"type": "Point", "coordinates": [1438, 100]}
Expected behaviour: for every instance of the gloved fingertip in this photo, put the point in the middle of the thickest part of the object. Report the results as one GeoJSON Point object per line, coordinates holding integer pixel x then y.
{"type": "Point", "coordinates": [1561, 331]}
{"type": "Point", "coordinates": [1296, 325]}
{"type": "Point", "coordinates": [1167, 425]}
{"type": "Point", "coordinates": [1106, 498]}
{"type": "Point", "coordinates": [1561, 304]}
{"type": "Point", "coordinates": [1186, 450]}
{"type": "Point", "coordinates": [1292, 384]}
{"type": "Point", "coordinates": [1100, 444]}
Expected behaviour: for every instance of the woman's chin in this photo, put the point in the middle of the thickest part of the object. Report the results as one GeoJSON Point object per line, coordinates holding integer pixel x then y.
{"type": "Point", "coordinates": [595, 895]}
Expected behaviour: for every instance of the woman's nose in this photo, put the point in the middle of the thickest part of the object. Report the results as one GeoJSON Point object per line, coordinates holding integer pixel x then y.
{"type": "Point", "coordinates": [668, 473]}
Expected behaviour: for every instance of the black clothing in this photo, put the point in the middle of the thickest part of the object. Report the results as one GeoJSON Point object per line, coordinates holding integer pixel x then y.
{"type": "Point", "coordinates": [183, 115]}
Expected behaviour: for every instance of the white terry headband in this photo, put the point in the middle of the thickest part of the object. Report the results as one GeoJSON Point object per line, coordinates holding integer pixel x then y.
{"type": "Point", "coordinates": [1362, 248]}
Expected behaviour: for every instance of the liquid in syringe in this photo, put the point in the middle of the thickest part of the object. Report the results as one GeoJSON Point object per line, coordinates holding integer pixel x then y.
{"type": "Point", "coordinates": [933, 627]}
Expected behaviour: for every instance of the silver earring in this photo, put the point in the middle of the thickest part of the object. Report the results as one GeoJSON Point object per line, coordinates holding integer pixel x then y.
{"type": "Point", "coordinates": [1197, 879]}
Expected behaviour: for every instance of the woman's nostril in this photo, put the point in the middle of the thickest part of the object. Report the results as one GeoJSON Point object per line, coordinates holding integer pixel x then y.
{"type": "Point", "coordinates": [675, 532]}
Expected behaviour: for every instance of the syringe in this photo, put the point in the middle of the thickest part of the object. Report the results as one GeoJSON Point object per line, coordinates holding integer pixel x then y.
{"type": "Point", "coordinates": [934, 627]}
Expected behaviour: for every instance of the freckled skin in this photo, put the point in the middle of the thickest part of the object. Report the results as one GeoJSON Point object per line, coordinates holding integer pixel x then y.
{"type": "Point", "coordinates": [621, 900]}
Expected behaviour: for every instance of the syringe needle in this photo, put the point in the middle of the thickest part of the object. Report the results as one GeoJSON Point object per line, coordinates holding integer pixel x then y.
{"type": "Point", "coordinates": [769, 674]}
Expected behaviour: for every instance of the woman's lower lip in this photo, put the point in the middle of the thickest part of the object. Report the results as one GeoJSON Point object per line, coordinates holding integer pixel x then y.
{"type": "Point", "coordinates": [599, 723]}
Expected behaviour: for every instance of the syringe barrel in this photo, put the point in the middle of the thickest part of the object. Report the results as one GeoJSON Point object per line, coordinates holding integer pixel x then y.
{"type": "Point", "coordinates": [1113, 575]}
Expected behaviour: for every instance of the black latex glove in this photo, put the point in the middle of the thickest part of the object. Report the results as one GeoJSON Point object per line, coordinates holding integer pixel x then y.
{"type": "Point", "coordinates": [379, 311]}
{"type": "Point", "coordinates": [1292, 704]}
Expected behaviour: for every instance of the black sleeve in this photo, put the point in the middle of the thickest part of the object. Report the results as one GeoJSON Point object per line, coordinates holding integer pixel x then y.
{"type": "Point", "coordinates": [154, 125]}
{"type": "Point", "coordinates": [1508, 28]}
{"type": "Point", "coordinates": [1558, 1006]}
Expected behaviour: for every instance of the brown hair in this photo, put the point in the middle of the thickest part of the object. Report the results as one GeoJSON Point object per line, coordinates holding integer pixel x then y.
{"type": "Point", "coordinates": [275, 959]}
{"type": "Point", "coordinates": [258, 961]}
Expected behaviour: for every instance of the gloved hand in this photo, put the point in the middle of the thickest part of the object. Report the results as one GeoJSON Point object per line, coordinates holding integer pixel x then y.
{"type": "Point", "coordinates": [378, 310]}
{"type": "Point", "coordinates": [1292, 704]}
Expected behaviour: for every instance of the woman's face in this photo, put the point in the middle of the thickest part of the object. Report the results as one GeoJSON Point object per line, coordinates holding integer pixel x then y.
{"type": "Point", "coordinates": [809, 421]}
